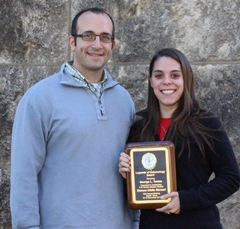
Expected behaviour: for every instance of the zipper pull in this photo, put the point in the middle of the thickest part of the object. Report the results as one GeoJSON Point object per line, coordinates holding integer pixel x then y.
{"type": "Point", "coordinates": [101, 107]}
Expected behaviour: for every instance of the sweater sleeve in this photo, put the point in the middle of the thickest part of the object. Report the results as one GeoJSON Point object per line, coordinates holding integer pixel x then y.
{"type": "Point", "coordinates": [223, 164]}
{"type": "Point", "coordinates": [27, 158]}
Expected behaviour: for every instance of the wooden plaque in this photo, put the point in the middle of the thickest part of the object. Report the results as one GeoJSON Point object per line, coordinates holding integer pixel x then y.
{"type": "Point", "coordinates": [153, 174]}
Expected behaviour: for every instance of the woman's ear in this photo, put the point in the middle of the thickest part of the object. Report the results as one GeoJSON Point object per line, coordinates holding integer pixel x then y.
{"type": "Point", "coordinates": [150, 81]}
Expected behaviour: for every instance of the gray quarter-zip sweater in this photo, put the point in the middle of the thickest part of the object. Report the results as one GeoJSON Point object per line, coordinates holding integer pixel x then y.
{"type": "Point", "coordinates": [64, 156]}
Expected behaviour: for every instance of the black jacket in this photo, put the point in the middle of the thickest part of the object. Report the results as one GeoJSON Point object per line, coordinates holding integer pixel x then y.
{"type": "Point", "coordinates": [199, 196]}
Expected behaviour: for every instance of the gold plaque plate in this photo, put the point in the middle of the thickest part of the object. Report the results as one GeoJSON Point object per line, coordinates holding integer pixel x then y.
{"type": "Point", "coordinates": [153, 174]}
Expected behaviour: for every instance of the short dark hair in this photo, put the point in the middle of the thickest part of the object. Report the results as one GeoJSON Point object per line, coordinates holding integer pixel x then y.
{"type": "Point", "coordinates": [93, 10]}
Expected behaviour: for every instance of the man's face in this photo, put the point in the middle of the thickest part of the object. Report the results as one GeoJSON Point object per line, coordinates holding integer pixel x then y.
{"type": "Point", "coordinates": [90, 57]}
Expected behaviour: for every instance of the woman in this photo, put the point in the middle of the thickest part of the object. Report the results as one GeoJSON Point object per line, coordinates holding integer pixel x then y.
{"type": "Point", "coordinates": [202, 147]}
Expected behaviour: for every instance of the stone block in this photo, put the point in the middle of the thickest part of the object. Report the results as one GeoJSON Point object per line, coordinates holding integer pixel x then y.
{"type": "Point", "coordinates": [36, 73]}
{"type": "Point", "coordinates": [33, 32]}
{"type": "Point", "coordinates": [134, 78]}
{"type": "Point", "coordinates": [203, 30]}
{"type": "Point", "coordinates": [230, 211]}
{"type": "Point", "coordinates": [11, 90]}
{"type": "Point", "coordinates": [5, 217]}
{"type": "Point", "coordinates": [218, 89]}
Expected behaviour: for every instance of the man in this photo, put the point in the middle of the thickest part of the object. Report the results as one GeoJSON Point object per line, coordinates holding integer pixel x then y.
{"type": "Point", "coordinates": [68, 132]}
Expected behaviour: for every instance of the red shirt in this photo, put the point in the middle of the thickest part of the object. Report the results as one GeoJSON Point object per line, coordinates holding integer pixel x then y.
{"type": "Point", "coordinates": [163, 127]}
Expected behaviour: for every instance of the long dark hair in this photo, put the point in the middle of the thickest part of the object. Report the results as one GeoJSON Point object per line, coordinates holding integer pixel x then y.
{"type": "Point", "coordinates": [185, 119]}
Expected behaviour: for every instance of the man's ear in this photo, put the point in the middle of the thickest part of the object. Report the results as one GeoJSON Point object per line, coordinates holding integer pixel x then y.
{"type": "Point", "coordinates": [71, 42]}
{"type": "Point", "coordinates": [114, 44]}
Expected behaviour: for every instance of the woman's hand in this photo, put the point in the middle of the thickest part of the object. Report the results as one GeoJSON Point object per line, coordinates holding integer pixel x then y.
{"type": "Point", "coordinates": [124, 164]}
{"type": "Point", "coordinates": [173, 207]}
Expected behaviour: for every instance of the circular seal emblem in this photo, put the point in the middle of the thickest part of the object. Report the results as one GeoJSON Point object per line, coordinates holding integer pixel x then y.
{"type": "Point", "coordinates": [149, 161]}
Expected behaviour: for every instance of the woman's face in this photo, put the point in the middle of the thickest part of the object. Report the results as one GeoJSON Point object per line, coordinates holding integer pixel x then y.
{"type": "Point", "coordinates": [167, 83]}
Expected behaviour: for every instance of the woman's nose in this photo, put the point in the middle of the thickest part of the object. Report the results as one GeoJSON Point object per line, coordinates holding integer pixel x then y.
{"type": "Point", "coordinates": [167, 80]}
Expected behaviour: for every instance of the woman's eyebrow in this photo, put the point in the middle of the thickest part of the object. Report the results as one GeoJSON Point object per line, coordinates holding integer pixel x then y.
{"type": "Point", "coordinates": [158, 70]}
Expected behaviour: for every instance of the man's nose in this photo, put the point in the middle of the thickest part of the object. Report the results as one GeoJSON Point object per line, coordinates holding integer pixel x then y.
{"type": "Point", "coordinates": [97, 42]}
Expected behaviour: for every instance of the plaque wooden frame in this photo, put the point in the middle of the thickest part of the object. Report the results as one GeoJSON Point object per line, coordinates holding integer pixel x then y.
{"type": "Point", "coordinates": [153, 174]}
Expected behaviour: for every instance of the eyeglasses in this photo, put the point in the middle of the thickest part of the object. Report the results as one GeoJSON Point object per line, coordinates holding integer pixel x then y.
{"type": "Point", "coordinates": [89, 36]}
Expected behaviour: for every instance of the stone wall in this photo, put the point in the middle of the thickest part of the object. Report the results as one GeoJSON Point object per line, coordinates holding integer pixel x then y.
{"type": "Point", "coordinates": [33, 37]}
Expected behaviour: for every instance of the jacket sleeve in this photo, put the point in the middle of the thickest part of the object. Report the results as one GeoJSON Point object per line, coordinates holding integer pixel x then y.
{"type": "Point", "coordinates": [223, 164]}
{"type": "Point", "coordinates": [136, 219]}
{"type": "Point", "coordinates": [27, 158]}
